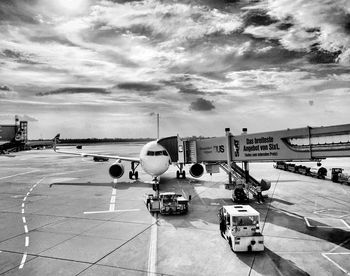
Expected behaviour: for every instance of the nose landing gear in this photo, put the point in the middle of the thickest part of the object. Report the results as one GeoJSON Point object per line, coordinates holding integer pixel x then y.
{"type": "Point", "coordinates": [133, 174]}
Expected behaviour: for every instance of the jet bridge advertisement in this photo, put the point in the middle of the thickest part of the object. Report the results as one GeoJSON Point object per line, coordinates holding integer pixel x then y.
{"type": "Point", "coordinates": [269, 146]}
{"type": "Point", "coordinates": [212, 149]}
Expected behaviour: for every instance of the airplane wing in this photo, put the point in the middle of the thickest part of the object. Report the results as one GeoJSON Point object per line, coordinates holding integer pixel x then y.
{"type": "Point", "coordinates": [82, 154]}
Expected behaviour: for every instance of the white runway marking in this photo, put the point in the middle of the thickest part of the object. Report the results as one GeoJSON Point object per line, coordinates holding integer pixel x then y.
{"type": "Point", "coordinates": [347, 225]}
{"type": "Point", "coordinates": [335, 263]}
{"type": "Point", "coordinates": [112, 202]}
{"type": "Point", "coordinates": [109, 211]}
{"type": "Point", "coordinates": [152, 255]}
{"type": "Point", "coordinates": [341, 253]}
{"type": "Point", "coordinates": [26, 242]}
{"type": "Point", "coordinates": [23, 260]}
{"type": "Point", "coordinates": [17, 174]}
{"type": "Point", "coordinates": [338, 246]}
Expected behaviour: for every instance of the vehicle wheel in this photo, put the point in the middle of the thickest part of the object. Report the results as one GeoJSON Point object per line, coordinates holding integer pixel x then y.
{"type": "Point", "coordinates": [136, 175]}
{"type": "Point", "coordinates": [177, 174]}
{"type": "Point", "coordinates": [130, 175]}
{"type": "Point", "coordinates": [184, 174]}
{"type": "Point", "coordinates": [149, 206]}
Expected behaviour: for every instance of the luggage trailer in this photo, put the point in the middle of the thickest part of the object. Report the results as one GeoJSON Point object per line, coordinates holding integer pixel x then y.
{"type": "Point", "coordinates": [242, 228]}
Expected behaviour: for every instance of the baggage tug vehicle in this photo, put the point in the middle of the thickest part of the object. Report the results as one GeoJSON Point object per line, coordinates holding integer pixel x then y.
{"type": "Point", "coordinates": [240, 226]}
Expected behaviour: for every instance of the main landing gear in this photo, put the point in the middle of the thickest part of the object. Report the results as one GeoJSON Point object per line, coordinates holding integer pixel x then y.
{"type": "Point", "coordinates": [133, 174]}
{"type": "Point", "coordinates": [180, 173]}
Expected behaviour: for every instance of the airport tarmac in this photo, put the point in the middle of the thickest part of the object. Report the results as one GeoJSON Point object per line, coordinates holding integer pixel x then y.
{"type": "Point", "coordinates": [83, 226]}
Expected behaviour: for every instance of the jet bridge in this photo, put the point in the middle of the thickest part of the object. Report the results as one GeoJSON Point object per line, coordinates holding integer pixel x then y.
{"type": "Point", "coordinates": [299, 144]}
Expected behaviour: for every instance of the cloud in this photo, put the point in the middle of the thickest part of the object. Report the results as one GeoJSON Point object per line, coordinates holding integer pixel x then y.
{"type": "Point", "coordinates": [257, 17]}
{"type": "Point", "coordinates": [5, 88]}
{"type": "Point", "coordinates": [7, 93]}
{"type": "Point", "coordinates": [202, 104]}
{"type": "Point", "coordinates": [189, 89]}
{"type": "Point", "coordinates": [323, 56]}
{"type": "Point", "coordinates": [138, 86]}
{"type": "Point", "coordinates": [17, 11]}
{"type": "Point", "coordinates": [18, 56]}
{"type": "Point", "coordinates": [324, 23]}
{"type": "Point", "coordinates": [75, 90]}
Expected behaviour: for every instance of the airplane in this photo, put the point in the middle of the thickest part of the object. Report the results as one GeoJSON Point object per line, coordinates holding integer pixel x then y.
{"type": "Point", "coordinates": [154, 160]}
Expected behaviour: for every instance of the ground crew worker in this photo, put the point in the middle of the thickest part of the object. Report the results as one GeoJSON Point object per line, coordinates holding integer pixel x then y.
{"type": "Point", "coordinates": [222, 222]}
{"type": "Point", "coordinates": [259, 194]}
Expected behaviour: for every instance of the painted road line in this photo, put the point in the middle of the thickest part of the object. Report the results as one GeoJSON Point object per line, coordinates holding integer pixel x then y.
{"type": "Point", "coordinates": [27, 241]}
{"type": "Point", "coordinates": [23, 260]}
{"type": "Point", "coordinates": [112, 202]}
{"type": "Point", "coordinates": [25, 228]}
{"type": "Point", "coordinates": [347, 225]}
{"type": "Point", "coordinates": [338, 246]}
{"type": "Point", "coordinates": [307, 222]}
{"type": "Point", "coordinates": [24, 219]}
{"type": "Point", "coordinates": [152, 255]}
{"type": "Point", "coordinates": [336, 264]}
{"type": "Point", "coordinates": [18, 174]}
{"type": "Point", "coordinates": [109, 211]}
{"type": "Point", "coordinates": [25, 198]}
{"type": "Point", "coordinates": [23, 205]}
{"type": "Point", "coordinates": [22, 211]}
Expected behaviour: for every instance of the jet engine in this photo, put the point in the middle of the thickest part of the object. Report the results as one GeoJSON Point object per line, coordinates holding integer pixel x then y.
{"type": "Point", "coordinates": [265, 184]}
{"type": "Point", "coordinates": [116, 170]}
{"type": "Point", "coordinates": [196, 170]}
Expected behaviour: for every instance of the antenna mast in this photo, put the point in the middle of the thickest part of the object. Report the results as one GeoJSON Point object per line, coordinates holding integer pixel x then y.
{"type": "Point", "coordinates": [157, 126]}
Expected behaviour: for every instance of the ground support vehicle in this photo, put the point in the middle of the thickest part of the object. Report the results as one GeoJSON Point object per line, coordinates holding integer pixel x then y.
{"type": "Point", "coordinates": [303, 170]}
{"type": "Point", "coordinates": [167, 203]}
{"type": "Point", "coordinates": [314, 172]}
{"type": "Point", "coordinates": [318, 172]}
{"type": "Point", "coordinates": [239, 224]}
{"type": "Point", "coordinates": [280, 165]}
{"type": "Point", "coordinates": [340, 177]}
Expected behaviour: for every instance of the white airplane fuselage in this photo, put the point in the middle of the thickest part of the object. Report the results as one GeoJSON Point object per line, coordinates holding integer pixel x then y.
{"type": "Point", "coordinates": [154, 159]}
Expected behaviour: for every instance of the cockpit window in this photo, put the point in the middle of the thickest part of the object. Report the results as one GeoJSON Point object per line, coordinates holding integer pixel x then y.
{"type": "Point", "coordinates": [157, 153]}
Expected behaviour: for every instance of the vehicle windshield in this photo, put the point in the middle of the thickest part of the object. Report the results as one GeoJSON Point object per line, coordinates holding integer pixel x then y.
{"type": "Point", "coordinates": [245, 221]}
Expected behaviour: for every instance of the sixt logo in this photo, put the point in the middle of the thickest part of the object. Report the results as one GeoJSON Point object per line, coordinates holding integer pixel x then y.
{"type": "Point", "coordinates": [219, 148]}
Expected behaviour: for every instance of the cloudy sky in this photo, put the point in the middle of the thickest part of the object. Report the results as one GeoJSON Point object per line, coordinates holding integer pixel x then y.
{"type": "Point", "coordinates": [90, 68]}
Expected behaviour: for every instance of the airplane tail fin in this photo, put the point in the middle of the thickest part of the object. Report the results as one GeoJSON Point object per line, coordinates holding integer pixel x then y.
{"type": "Point", "coordinates": [55, 141]}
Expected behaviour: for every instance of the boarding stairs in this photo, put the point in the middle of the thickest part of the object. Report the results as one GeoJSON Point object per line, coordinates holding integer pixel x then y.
{"type": "Point", "coordinates": [238, 176]}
